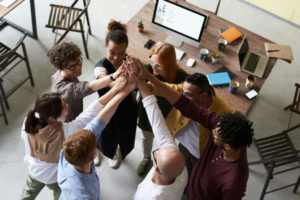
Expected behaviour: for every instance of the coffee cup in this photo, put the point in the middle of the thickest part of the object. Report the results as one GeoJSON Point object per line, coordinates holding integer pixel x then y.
{"type": "Point", "coordinates": [250, 81]}
{"type": "Point", "coordinates": [222, 44]}
{"type": "Point", "coordinates": [233, 86]}
{"type": "Point", "coordinates": [203, 54]}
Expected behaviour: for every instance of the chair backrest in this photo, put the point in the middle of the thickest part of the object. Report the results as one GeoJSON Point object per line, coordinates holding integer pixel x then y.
{"type": "Point", "coordinates": [81, 13]}
{"type": "Point", "coordinates": [295, 107]}
{"type": "Point", "coordinates": [8, 55]}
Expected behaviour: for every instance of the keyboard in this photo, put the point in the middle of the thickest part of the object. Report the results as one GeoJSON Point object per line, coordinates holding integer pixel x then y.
{"type": "Point", "coordinates": [252, 62]}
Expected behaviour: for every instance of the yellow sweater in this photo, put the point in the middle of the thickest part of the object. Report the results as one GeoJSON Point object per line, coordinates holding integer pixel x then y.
{"type": "Point", "coordinates": [176, 121]}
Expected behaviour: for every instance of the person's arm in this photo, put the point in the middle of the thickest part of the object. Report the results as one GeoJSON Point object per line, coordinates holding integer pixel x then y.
{"type": "Point", "coordinates": [104, 80]}
{"type": "Point", "coordinates": [162, 134]}
{"type": "Point", "coordinates": [91, 112]}
{"type": "Point", "coordinates": [174, 86]}
{"type": "Point", "coordinates": [98, 124]}
{"type": "Point", "coordinates": [171, 95]}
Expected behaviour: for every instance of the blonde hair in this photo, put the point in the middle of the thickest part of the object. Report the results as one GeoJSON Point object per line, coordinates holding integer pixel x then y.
{"type": "Point", "coordinates": [167, 58]}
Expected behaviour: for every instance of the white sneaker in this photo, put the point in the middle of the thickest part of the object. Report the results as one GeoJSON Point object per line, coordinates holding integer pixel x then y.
{"type": "Point", "coordinates": [98, 159]}
{"type": "Point", "coordinates": [116, 161]}
{"type": "Point", "coordinates": [143, 166]}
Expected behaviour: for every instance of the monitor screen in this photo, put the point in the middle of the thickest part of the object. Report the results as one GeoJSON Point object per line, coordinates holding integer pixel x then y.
{"type": "Point", "coordinates": [244, 48]}
{"type": "Point", "coordinates": [179, 19]}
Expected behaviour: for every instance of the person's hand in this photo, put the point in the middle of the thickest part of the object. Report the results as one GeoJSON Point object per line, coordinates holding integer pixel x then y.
{"type": "Point", "coordinates": [118, 73]}
{"type": "Point", "coordinates": [119, 83]}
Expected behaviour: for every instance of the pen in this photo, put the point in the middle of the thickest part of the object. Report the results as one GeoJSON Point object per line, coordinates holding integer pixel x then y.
{"type": "Point", "coordinates": [273, 50]}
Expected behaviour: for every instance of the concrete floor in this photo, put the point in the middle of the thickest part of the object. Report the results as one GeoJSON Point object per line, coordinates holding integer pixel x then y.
{"type": "Point", "coordinates": [267, 112]}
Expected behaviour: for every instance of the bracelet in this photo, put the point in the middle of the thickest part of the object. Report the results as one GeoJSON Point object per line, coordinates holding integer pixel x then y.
{"type": "Point", "coordinates": [111, 77]}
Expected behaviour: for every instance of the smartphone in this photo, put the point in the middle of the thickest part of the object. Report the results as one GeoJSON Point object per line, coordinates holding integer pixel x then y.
{"type": "Point", "coordinates": [251, 94]}
{"type": "Point", "coordinates": [149, 44]}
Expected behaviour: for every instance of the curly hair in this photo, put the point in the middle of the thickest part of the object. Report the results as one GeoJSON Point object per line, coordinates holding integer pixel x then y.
{"type": "Point", "coordinates": [61, 54]}
{"type": "Point", "coordinates": [235, 130]}
{"type": "Point", "coordinates": [117, 32]}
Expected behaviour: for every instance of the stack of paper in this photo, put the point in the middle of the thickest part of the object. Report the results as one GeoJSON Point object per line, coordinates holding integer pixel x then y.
{"type": "Point", "coordinates": [283, 52]}
{"type": "Point", "coordinates": [6, 3]}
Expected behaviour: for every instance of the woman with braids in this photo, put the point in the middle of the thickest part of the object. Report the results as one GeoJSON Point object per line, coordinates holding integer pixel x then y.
{"type": "Point", "coordinates": [164, 66]}
{"type": "Point", "coordinates": [117, 139]}
{"type": "Point", "coordinates": [44, 133]}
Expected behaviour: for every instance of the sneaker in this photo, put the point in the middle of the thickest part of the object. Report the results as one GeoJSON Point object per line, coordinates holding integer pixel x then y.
{"type": "Point", "coordinates": [98, 159]}
{"type": "Point", "coordinates": [143, 166]}
{"type": "Point", "coordinates": [116, 161]}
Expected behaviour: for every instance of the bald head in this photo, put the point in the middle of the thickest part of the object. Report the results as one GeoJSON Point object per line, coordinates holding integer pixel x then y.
{"type": "Point", "coordinates": [170, 162]}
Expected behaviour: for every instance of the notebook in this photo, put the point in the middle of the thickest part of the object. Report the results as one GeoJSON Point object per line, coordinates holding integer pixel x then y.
{"type": "Point", "coordinates": [179, 54]}
{"type": "Point", "coordinates": [251, 62]}
{"type": "Point", "coordinates": [225, 69]}
{"type": "Point", "coordinates": [218, 79]}
{"type": "Point", "coordinates": [231, 34]}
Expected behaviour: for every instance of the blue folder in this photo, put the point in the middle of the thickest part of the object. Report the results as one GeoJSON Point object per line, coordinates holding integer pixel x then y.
{"type": "Point", "coordinates": [218, 79]}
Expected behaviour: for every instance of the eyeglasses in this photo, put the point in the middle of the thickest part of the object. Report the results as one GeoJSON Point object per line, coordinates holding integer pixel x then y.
{"type": "Point", "coordinates": [153, 154]}
{"type": "Point", "coordinates": [73, 67]}
{"type": "Point", "coordinates": [154, 63]}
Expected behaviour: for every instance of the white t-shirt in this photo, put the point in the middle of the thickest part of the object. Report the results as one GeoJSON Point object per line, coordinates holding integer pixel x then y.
{"type": "Point", "coordinates": [188, 136]}
{"type": "Point", "coordinates": [47, 172]}
{"type": "Point", "coordinates": [147, 189]}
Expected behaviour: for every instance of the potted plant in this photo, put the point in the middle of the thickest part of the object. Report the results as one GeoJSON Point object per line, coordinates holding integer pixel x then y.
{"type": "Point", "coordinates": [140, 26]}
{"type": "Point", "coordinates": [215, 58]}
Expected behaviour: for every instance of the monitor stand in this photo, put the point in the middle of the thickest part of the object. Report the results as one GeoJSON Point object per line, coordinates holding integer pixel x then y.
{"type": "Point", "coordinates": [176, 42]}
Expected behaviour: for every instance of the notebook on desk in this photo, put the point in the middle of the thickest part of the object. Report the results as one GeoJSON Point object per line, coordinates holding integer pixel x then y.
{"type": "Point", "coordinates": [218, 79]}
{"type": "Point", "coordinates": [251, 62]}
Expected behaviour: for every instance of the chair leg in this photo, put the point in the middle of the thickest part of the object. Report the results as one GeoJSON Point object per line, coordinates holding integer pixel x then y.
{"type": "Point", "coordinates": [287, 107]}
{"type": "Point", "coordinates": [297, 185]}
{"type": "Point", "coordinates": [263, 193]}
{"type": "Point", "coordinates": [87, 19]}
{"type": "Point", "coordinates": [3, 95]}
{"type": "Point", "coordinates": [64, 35]}
{"type": "Point", "coordinates": [84, 42]}
{"type": "Point", "coordinates": [290, 119]}
{"type": "Point", "coordinates": [27, 64]}
{"type": "Point", "coordinates": [3, 110]}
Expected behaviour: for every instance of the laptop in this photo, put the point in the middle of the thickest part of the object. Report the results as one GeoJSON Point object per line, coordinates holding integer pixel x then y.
{"type": "Point", "coordinates": [251, 62]}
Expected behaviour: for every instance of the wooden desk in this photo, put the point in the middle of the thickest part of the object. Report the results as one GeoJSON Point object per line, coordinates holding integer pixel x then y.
{"type": "Point", "coordinates": [4, 11]}
{"type": "Point", "coordinates": [209, 39]}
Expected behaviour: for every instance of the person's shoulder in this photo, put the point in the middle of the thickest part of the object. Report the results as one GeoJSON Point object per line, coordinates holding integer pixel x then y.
{"type": "Point", "coordinates": [220, 106]}
{"type": "Point", "coordinates": [101, 62]}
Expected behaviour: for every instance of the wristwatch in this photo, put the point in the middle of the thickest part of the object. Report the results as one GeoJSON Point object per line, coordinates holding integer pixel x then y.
{"type": "Point", "coordinates": [111, 77]}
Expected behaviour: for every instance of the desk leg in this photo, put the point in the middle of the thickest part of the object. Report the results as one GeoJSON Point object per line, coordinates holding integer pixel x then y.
{"type": "Point", "coordinates": [33, 20]}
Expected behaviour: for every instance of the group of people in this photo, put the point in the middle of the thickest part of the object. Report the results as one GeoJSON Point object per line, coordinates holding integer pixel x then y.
{"type": "Point", "coordinates": [63, 142]}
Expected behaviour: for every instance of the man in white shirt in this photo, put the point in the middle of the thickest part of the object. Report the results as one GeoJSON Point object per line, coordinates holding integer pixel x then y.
{"type": "Point", "coordinates": [168, 176]}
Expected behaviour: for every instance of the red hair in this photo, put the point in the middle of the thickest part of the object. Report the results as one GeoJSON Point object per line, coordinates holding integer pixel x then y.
{"type": "Point", "coordinates": [167, 58]}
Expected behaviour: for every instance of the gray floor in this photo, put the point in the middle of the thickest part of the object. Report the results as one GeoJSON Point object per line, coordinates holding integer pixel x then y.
{"type": "Point", "coordinates": [266, 113]}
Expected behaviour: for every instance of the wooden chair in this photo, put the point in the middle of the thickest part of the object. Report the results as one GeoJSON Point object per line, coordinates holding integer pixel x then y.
{"type": "Point", "coordinates": [3, 112]}
{"type": "Point", "coordinates": [278, 155]}
{"type": "Point", "coordinates": [69, 19]}
{"type": "Point", "coordinates": [295, 106]}
{"type": "Point", "coordinates": [9, 59]}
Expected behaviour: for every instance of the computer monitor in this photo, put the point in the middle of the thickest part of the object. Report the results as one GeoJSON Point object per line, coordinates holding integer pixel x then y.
{"type": "Point", "coordinates": [178, 21]}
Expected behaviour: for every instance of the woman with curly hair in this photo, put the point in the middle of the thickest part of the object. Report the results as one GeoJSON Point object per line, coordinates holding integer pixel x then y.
{"type": "Point", "coordinates": [117, 139]}
{"type": "Point", "coordinates": [164, 66]}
